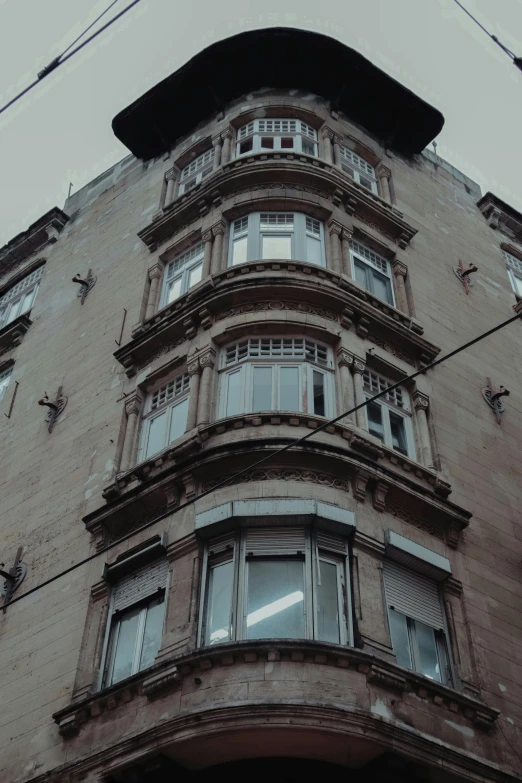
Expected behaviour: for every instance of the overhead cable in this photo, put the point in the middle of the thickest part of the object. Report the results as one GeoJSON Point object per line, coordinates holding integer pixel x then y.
{"type": "Point", "coordinates": [517, 61]}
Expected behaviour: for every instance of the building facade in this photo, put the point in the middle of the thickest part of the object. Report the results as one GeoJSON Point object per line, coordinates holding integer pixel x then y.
{"type": "Point", "coordinates": [278, 248]}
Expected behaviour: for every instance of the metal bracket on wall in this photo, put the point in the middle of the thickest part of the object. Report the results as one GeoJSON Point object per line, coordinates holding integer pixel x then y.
{"type": "Point", "coordinates": [464, 275]}
{"type": "Point", "coordinates": [55, 408]}
{"type": "Point", "coordinates": [493, 398]}
{"type": "Point", "coordinates": [12, 578]}
{"type": "Point", "coordinates": [86, 284]}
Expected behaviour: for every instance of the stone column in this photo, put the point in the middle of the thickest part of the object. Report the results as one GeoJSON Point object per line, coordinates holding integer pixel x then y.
{"type": "Point", "coordinates": [155, 273]}
{"type": "Point", "coordinates": [327, 136]}
{"type": "Point", "coordinates": [337, 150]}
{"type": "Point", "coordinates": [384, 175]}
{"type": "Point", "coordinates": [420, 406]}
{"type": "Point", "coordinates": [218, 147]}
{"type": "Point", "coordinates": [357, 369]}
{"type": "Point", "coordinates": [345, 363]}
{"type": "Point", "coordinates": [399, 272]}
{"type": "Point", "coordinates": [206, 361]}
{"type": "Point", "coordinates": [170, 176]}
{"type": "Point", "coordinates": [218, 232]}
{"type": "Point", "coordinates": [132, 408]}
{"type": "Point", "coordinates": [346, 236]}
{"type": "Point", "coordinates": [335, 229]}
{"type": "Point", "coordinates": [208, 239]}
{"type": "Point", "coordinates": [227, 146]}
{"type": "Point", "coordinates": [194, 370]}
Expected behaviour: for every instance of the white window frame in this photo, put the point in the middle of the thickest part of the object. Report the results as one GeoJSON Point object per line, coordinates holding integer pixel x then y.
{"type": "Point", "coordinates": [162, 400]}
{"type": "Point", "coordinates": [315, 551]}
{"type": "Point", "coordinates": [301, 228]}
{"type": "Point", "coordinates": [514, 270]}
{"type": "Point", "coordinates": [359, 169]}
{"type": "Point", "coordinates": [302, 134]}
{"type": "Point", "coordinates": [294, 356]}
{"type": "Point", "coordinates": [376, 264]}
{"type": "Point", "coordinates": [181, 269]}
{"type": "Point", "coordinates": [5, 377]}
{"type": "Point", "coordinates": [397, 402]}
{"type": "Point", "coordinates": [192, 174]}
{"type": "Point", "coordinates": [19, 299]}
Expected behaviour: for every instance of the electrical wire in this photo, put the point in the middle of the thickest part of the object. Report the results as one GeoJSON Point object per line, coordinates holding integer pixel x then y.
{"type": "Point", "coordinates": [261, 461]}
{"type": "Point", "coordinates": [88, 28]}
{"type": "Point", "coordinates": [62, 58]}
{"type": "Point", "coordinates": [517, 61]}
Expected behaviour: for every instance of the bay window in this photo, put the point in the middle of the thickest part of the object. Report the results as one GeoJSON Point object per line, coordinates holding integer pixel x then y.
{"type": "Point", "coordinates": [280, 135]}
{"type": "Point", "coordinates": [372, 272]}
{"type": "Point", "coordinates": [416, 622]}
{"type": "Point", "coordinates": [20, 298]}
{"type": "Point", "coordinates": [514, 268]}
{"type": "Point", "coordinates": [165, 417]}
{"type": "Point", "coordinates": [181, 274]}
{"type": "Point", "coordinates": [194, 172]}
{"type": "Point", "coordinates": [277, 235]}
{"type": "Point", "coordinates": [358, 169]}
{"type": "Point", "coordinates": [276, 374]}
{"type": "Point", "coordinates": [276, 582]}
{"type": "Point", "coordinates": [5, 377]}
{"type": "Point", "coordinates": [389, 418]}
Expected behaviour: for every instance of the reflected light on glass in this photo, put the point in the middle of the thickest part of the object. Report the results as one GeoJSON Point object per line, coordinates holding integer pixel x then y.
{"type": "Point", "coordinates": [274, 608]}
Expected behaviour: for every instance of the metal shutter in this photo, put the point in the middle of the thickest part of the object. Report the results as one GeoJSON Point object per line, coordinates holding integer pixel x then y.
{"type": "Point", "coordinates": [275, 540]}
{"type": "Point", "coordinates": [141, 583]}
{"type": "Point", "coordinates": [414, 595]}
{"type": "Point", "coordinates": [331, 542]}
{"type": "Point", "coordinates": [222, 544]}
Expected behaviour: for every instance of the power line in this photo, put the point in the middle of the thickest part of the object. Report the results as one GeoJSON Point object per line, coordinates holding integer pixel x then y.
{"type": "Point", "coordinates": [62, 58]}
{"type": "Point", "coordinates": [88, 28]}
{"type": "Point", "coordinates": [261, 461]}
{"type": "Point", "coordinates": [517, 61]}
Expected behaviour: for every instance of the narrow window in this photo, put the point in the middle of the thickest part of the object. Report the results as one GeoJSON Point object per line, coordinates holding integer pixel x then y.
{"type": "Point", "coordinates": [514, 268]}
{"type": "Point", "coordinates": [165, 417]}
{"type": "Point", "coordinates": [5, 377]}
{"type": "Point", "coordinates": [19, 299]}
{"type": "Point", "coordinates": [372, 272]}
{"type": "Point", "coordinates": [181, 274]}
{"type": "Point", "coordinates": [389, 418]}
{"type": "Point", "coordinates": [195, 171]}
{"type": "Point", "coordinates": [358, 169]}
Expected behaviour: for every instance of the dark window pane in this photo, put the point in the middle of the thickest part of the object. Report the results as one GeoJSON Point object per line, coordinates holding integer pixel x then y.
{"type": "Point", "coordinates": [275, 606]}
{"type": "Point", "coordinates": [152, 634]}
{"type": "Point", "coordinates": [287, 143]}
{"type": "Point", "coordinates": [381, 287]}
{"type": "Point", "coordinates": [427, 646]}
{"type": "Point", "coordinates": [398, 433]}
{"type": "Point", "coordinates": [219, 598]}
{"type": "Point", "coordinates": [360, 274]}
{"type": "Point", "coordinates": [328, 604]}
{"type": "Point", "coordinates": [245, 146]}
{"type": "Point", "coordinates": [319, 401]}
{"type": "Point", "coordinates": [124, 646]}
{"type": "Point", "coordinates": [400, 638]}
{"type": "Point", "coordinates": [375, 425]}
{"type": "Point", "coordinates": [267, 142]}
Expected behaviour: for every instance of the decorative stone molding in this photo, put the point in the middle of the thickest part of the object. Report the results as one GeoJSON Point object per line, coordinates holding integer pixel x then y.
{"type": "Point", "coordinates": [380, 490]}
{"type": "Point", "coordinates": [501, 216]}
{"type": "Point", "coordinates": [285, 474]}
{"type": "Point", "coordinates": [12, 334]}
{"type": "Point", "coordinates": [344, 358]}
{"type": "Point", "coordinates": [42, 232]}
{"type": "Point", "coordinates": [264, 306]}
{"type": "Point", "coordinates": [159, 683]}
{"type": "Point", "coordinates": [399, 270]}
{"type": "Point", "coordinates": [360, 482]}
{"type": "Point", "coordinates": [420, 401]}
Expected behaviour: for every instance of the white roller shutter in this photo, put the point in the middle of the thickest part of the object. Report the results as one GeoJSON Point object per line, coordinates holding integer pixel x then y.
{"type": "Point", "coordinates": [222, 544]}
{"type": "Point", "coordinates": [275, 540]}
{"type": "Point", "coordinates": [412, 594]}
{"type": "Point", "coordinates": [143, 582]}
{"type": "Point", "coordinates": [331, 542]}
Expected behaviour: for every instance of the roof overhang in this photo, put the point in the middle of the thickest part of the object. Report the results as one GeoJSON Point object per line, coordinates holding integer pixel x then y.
{"type": "Point", "coordinates": [279, 58]}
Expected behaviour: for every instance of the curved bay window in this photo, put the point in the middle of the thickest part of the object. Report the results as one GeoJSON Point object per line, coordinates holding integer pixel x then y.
{"type": "Point", "coordinates": [276, 374]}
{"type": "Point", "coordinates": [372, 272]}
{"type": "Point", "coordinates": [181, 274]}
{"type": "Point", "coordinates": [194, 172]}
{"type": "Point", "coordinates": [281, 135]}
{"type": "Point", "coordinates": [277, 235]}
{"type": "Point", "coordinates": [281, 582]}
{"type": "Point", "coordinates": [20, 298]}
{"type": "Point", "coordinates": [389, 418]}
{"type": "Point", "coordinates": [358, 169]}
{"type": "Point", "coordinates": [165, 416]}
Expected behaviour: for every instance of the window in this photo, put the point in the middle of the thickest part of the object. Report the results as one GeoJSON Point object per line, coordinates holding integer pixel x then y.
{"type": "Point", "coordinates": [136, 622]}
{"type": "Point", "coordinates": [416, 622]}
{"type": "Point", "coordinates": [165, 418]}
{"type": "Point", "coordinates": [514, 267]}
{"type": "Point", "coordinates": [372, 272]}
{"type": "Point", "coordinates": [274, 373]}
{"type": "Point", "coordinates": [20, 298]}
{"type": "Point", "coordinates": [281, 135]}
{"type": "Point", "coordinates": [285, 582]}
{"type": "Point", "coordinates": [389, 417]}
{"type": "Point", "coordinates": [5, 376]}
{"type": "Point", "coordinates": [358, 169]}
{"type": "Point", "coordinates": [181, 274]}
{"type": "Point", "coordinates": [192, 174]}
{"type": "Point", "coordinates": [277, 235]}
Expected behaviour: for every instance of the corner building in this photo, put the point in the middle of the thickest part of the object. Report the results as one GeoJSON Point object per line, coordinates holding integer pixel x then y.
{"type": "Point", "coordinates": [278, 247]}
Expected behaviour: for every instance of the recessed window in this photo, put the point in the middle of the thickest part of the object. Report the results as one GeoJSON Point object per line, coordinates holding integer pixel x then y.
{"type": "Point", "coordinates": [276, 374]}
{"type": "Point", "coordinates": [5, 377]}
{"type": "Point", "coordinates": [20, 298]}
{"type": "Point", "coordinates": [136, 622]}
{"type": "Point", "coordinates": [372, 272]}
{"type": "Point", "coordinates": [277, 236]}
{"type": "Point", "coordinates": [416, 622]}
{"type": "Point", "coordinates": [514, 268]}
{"type": "Point", "coordinates": [287, 135]}
{"type": "Point", "coordinates": [165, 417]}
{"type": "Point", "coordinates": [389, 417]}
{"type": "Point", "coordinates": [358, 169]}
{"type": "Point", "coordinates": [181, 274]}
{"type": "Point", "coordinates": [192, 174]}
{"type": "Point", "coordinates": [286, 582]}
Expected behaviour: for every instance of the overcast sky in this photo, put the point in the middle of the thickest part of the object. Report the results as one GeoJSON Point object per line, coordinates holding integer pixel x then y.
{"type": "Point", "coordinates": [61, 132]}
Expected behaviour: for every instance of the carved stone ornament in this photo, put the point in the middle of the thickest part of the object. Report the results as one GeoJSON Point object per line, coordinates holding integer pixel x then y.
{"type": "Point", "coordinates": [399, 270]}
{"type": "Point", "coordinates": [493, 399]}
{"type": "Point", "coordinates": [420, 401]}
{"type": "Point", "coordinates": [285, 474]}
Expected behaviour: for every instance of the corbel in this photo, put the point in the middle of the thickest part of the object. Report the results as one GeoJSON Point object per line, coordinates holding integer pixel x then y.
{"type": "Point", "coordinates": [55, 408]}
{"type": "Point", "coordinates": [380, 491]}
{"type": "Point", "coordinates": [464, 275]}
{"type": "Point", "coordinates": [359, 485]}
{"type": "Point", "coordinates": [85, 283]}
{"type": "Point", "coordinates": [493, 398]}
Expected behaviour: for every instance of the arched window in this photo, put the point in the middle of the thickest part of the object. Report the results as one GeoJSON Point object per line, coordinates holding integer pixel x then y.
{"type": "Point", "coordinates": [282, 135]}
{"type": "Point", "coordinates": [277, 235]}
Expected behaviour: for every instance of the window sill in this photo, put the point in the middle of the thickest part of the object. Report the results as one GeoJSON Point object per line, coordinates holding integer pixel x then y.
{"type": "Point", "coordinates": [378, 673]}
{"type": "Point", "coordinates": [12, 334]}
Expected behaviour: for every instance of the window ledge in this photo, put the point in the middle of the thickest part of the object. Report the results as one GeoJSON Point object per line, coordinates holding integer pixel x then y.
{"type": "Point", "coordinates": [378, 673]}
{"type": "Point", "coordinates": [12, 334]}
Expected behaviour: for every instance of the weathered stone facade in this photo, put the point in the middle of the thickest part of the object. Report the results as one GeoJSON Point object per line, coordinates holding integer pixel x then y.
{"type": "Point", "coordinates": [453, 491]}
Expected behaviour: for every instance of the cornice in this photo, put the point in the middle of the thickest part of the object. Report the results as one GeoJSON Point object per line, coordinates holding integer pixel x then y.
{"type": "Point", "coordinates": [41, 233]}
{"type": "Point", "coordinates": [501, 216]}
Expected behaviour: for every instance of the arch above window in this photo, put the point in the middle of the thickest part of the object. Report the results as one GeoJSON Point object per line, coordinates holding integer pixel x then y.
{"type": "Point", "coordinates": [277, 235]}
